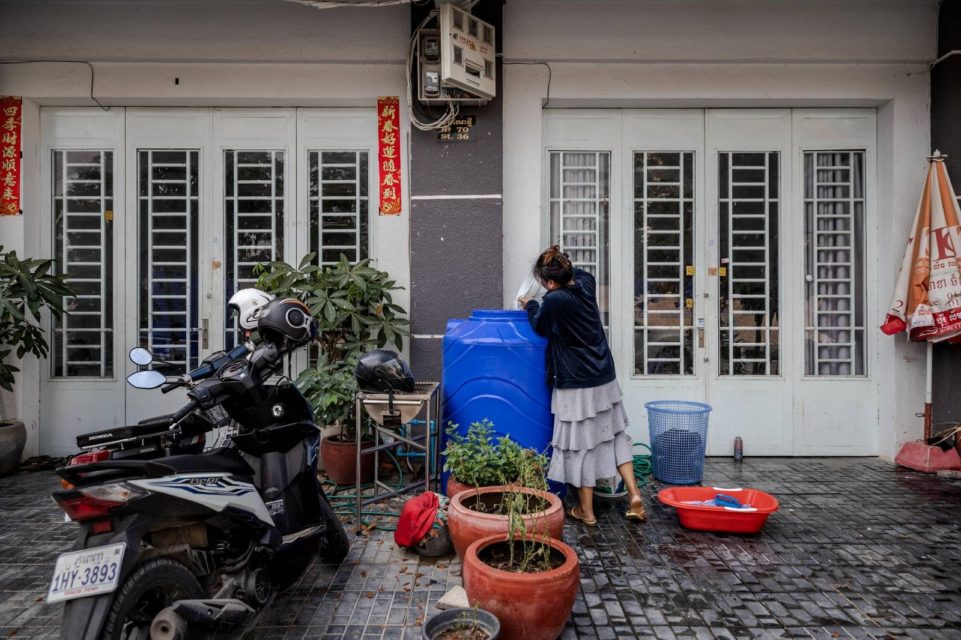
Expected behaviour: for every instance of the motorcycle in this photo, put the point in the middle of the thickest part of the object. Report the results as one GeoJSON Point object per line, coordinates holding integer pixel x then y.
{"type": "Point", "coordinates": [176, 545]}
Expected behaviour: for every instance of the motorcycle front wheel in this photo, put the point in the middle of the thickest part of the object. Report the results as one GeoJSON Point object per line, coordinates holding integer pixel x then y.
{"type": "Point", "coordinates": [337, 544]}
{"type": "Point", "coordinates": [150, 588]}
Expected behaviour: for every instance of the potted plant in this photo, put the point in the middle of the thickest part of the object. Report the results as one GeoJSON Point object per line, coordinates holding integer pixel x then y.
{"type": "Point", "coordinates": [522, 493]}
{"type": "Point", "coordinates": [26, 288]}
{"type": "Point", "coordinates": [355, 312]}
{"type": "Point", "coordinates": [462, 623]}
{"type": "Point", "coordinates": [330, 391]}
{"type": "Point", "coordinates": [352, 304]}
{"type": "Point", "coordinates": [526, 578]}
{"type": "Point", "coordinates": [476, 459]}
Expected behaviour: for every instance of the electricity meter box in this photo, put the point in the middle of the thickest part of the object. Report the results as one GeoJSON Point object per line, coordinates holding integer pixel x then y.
{"type": "Point", "coordinates": [467, 53]}
{"type": "Point", "coordinates": [430, 89]}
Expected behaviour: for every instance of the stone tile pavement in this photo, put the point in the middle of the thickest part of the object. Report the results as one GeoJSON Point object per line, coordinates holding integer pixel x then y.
{"type": "Point", "coordinates": [860, 549]}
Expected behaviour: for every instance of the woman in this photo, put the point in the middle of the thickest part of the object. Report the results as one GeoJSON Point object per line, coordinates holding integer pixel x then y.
{"type": "Point", "coordinates": [590, 441]}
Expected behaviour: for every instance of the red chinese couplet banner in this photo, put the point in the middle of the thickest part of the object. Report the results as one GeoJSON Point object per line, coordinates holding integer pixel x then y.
{"type": "Point", "coordinates": [388, 154]}
{"type": "Point", "coordinates": [10, 120]}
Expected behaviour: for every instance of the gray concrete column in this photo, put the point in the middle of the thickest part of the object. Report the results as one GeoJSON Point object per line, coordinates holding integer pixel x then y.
{"type": "Point", "coordinates": [456, 259]}
{"type": "Point", "coordinates": [946, 136]}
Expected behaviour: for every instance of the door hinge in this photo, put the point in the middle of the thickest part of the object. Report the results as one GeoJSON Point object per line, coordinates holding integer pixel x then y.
{"type": "Point", "coordinates": [204, 330]}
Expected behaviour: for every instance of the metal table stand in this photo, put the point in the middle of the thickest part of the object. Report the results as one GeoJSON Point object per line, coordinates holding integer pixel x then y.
{"type": "Point", "coordinates": [425, 396]}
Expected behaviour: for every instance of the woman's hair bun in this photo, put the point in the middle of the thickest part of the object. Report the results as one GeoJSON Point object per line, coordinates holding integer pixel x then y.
{"type": "Point", "coordinates": [553, 264]}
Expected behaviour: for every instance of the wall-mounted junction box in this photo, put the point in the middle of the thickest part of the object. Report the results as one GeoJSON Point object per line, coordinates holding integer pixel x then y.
{"type": "Point", "coordinates": [431, 89]}
{"type": "Point", "coordinates": [467, 53]}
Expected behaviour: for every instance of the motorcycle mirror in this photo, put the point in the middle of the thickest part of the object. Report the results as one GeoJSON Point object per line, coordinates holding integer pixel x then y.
{"type": "Point", "coordinates": [140, 356]}
{"type": "Point", "coordinates": [146, 379]}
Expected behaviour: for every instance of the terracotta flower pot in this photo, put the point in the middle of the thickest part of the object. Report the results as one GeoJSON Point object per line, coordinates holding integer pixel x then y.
{"type": "Point", "coordinates": [340, 461]}
{"type": "Point", "coordinates": [455, 486]}
{"type": "Point", "coordinates": [467, 524]}
{"type": "Point", "coordinates": [529, 606]}
{"type": "Point", "coordinates": [13, 437]}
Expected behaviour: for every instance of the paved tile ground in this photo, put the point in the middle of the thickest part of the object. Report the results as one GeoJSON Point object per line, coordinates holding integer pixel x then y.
{"type": "Point", "coordinates": [860, 549]}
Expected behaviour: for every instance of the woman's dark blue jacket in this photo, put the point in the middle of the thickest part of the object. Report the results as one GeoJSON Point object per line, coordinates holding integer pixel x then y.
{"type": "Point", "coordinates": [577, 353]}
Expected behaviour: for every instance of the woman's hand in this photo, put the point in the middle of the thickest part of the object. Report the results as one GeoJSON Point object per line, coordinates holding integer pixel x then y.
{"type": "Point", "coordinates": [523, 302]}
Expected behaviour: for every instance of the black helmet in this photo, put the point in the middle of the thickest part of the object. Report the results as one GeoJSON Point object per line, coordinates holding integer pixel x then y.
{"type": "Point", "coordinates": [287, 324]}
{"type": "Point", "coordinates": [382, 370]}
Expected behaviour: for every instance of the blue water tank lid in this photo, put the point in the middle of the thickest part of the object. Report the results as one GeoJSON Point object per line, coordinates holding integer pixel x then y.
{"type": "Point", "coordinates": [498, 315]}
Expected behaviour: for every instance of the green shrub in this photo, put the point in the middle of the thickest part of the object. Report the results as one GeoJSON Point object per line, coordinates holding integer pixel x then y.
{"type": "Point", "coordinates": [480, 460]}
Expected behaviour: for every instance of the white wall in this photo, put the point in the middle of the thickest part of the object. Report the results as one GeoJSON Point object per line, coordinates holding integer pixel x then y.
{"type": "Point", "coordinates": [721, 30]}
{"type": "Point", "coordinates": [200, 31]}
{"type": "Point", "coordinates": [731, 53]}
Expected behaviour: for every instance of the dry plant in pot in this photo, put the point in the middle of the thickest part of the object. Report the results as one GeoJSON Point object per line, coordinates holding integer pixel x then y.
{"type": "Point", "coordinates": [525, 577]}
{"type": "Point", "coordinates": [486, 511]}
{"type": "Point", "coordinates": [462, 624]}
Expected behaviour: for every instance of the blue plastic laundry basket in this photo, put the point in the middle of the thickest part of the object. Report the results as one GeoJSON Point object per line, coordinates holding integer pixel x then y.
{"type": "Point", "coordinates": [678, 432]}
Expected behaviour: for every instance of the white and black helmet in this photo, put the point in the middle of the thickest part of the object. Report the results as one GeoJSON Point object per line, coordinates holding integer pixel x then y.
{"type": "Point", "coordinates": [286, 323]}
{"type": "Point", "coordinates": [247, 304]}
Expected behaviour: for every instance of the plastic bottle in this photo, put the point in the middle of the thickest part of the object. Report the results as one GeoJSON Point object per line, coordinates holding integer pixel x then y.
{"type": "Point", "coordinates": [738, 449]}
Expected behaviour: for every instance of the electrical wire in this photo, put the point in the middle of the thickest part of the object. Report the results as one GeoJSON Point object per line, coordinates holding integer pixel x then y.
{"type": "Point", "coordinates": [549, 77]}
{"type": "Point", "coordinates": [92, 73]}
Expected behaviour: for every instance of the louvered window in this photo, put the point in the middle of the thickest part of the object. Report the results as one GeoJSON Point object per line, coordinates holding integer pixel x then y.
{"type": "Point", "coordinates": [748, 210]}
{"type": "Point", "coordinates": [254, 219]}
{"type": "Point", "coordinates": [580, 188]}
{"type": "Point", "coordinates": [83, 340]}
{"type": "Point", "coordinates": [834, 263]}
{"type": "Point", "coordinates": [664, 263]}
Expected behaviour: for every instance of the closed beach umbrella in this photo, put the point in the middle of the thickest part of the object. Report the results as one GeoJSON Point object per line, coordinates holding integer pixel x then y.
{"type": "Point", "coordinates": [927, 298]}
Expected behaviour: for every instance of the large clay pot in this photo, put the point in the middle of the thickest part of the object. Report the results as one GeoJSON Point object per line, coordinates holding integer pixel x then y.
{"type": "Point", "coordinates": [467, 524]}
{"type": "Point", "coordinates": [340, 461]}
{"type": "Point", "coordinates": [455, 486]}
{"type": "Point", "coordinates": [327, 431]}
{"type": "Point", "coordinates": [13, 437]}
{"type": "Point", "coordinates": [529, 606]}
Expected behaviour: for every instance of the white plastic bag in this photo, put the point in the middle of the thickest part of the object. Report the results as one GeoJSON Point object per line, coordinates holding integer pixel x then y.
{"type": "Point", "coordinates": [530, 289]}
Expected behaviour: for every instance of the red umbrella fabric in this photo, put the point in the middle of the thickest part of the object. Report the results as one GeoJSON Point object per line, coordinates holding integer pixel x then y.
{"type": "Point", "coordinates": [927, 298]}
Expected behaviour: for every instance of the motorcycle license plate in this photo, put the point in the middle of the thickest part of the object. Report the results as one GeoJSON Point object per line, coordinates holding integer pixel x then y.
{"type": "Point", "coordinates": [89, 572]}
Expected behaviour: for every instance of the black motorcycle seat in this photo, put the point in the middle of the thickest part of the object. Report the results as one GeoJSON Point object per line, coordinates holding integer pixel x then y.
{"type": "Point", "coordinates": [221, 460]}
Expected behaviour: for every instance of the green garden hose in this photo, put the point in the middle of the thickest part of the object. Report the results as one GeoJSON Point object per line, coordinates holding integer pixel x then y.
{"type": "Point", "coordinates": [344, 503]}
{"type": "Point", "coordinates": [643, 466]}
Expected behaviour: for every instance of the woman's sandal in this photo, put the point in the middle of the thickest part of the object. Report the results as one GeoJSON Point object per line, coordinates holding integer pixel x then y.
{"type": "Point", "coordinates": [572, 513]}
{"type": "Point", "coordinates": [637, 517]}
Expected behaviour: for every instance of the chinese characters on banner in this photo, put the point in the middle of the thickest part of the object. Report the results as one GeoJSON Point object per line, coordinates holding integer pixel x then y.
{"type": "Point", "coordinates": [9, 155]}
{"type": "Point", "coordinates": [388, 154]}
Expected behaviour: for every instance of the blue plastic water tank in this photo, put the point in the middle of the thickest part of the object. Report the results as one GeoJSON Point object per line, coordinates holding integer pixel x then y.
{"type": "Point", "coordinates": [495, 368]}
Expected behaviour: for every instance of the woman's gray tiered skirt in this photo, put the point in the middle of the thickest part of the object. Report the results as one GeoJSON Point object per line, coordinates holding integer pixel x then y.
{"type": "Point", "coordinates": [590, 438]}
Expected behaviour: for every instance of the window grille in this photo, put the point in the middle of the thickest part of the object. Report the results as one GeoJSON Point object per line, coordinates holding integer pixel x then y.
{"type": "Point", "coordinates": [580, 187]}
{"type": "Point", "coordinates": [663, 263]}
{"type": "Point", "coordinates": [253, 217]}
{"type": "Point", "coordinates": [748, 212]}
{"type": "Point", "coordinates": [834, 263]}
{"type": "Point", "coordinates": [83, 341]}
{"type": "Point", "coordinates": [338, 205]}
{"type": "Point", "coordinates": [168, 188]}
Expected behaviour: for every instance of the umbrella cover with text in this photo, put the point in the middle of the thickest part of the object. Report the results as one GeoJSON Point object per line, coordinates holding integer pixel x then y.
{"type": "Point", "coordinates": [927, 298]}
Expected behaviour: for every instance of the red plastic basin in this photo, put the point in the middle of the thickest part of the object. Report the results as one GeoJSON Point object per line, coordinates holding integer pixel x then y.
{"type": "Point", "coordinates": [720, 519]}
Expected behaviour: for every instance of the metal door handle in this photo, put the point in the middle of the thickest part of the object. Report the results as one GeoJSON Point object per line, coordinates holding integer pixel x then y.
{"type": "Point", "coordinates": [204, 328]}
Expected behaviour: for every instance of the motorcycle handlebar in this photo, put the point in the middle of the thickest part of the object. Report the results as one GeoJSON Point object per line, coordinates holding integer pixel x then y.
{"type": "Point", "coordinates": [183, 411]}
{"type": "Point", "coordinates": [167, 388]}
